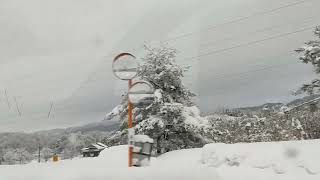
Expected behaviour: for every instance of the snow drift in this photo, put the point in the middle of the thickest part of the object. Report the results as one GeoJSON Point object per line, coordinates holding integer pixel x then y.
{"type": "Point", "coordinates": [276, 160]}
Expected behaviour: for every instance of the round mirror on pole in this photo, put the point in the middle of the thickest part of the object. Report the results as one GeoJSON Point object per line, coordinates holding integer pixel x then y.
{"type": "Point", "coordinates": [141, 94]}
{"type": "Point", "coordinates": [125, 66]}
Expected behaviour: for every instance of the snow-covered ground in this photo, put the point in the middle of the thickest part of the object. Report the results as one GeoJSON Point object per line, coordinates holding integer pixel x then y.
{"type": "Point", "coordinates": [295, 160]}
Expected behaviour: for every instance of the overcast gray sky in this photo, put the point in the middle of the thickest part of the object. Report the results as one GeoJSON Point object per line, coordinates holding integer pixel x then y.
{"type": "Point", "coordinates": [60, 51]}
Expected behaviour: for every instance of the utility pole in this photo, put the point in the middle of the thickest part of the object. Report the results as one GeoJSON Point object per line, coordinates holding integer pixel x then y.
{"type": "Point", "coordinates": [39, 153]}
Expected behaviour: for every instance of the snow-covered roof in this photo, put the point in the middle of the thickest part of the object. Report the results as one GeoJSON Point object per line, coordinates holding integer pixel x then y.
{"type": "Point", "coordinates": [102, 145]}
{"type": "Point", "coordinates": [94, 146]}
{"type": "Point", "coordinates": [84, 149]}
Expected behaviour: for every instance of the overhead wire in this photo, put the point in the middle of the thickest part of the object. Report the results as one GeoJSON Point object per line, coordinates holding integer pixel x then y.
{"type": "Point", "coordinates": [221, 90]}
{"type": "Point", "coordinates": [248, 43]}
{"type": "Point", "coordinates": [212, 27]}
{"type": "Point", "coordinates": [264, 29]}
{"type": "Point", "coordinates": [209, 28]}
{"type": "Point", "coordinates": [259, 68]}
{"type": "Point", "coordinates": [223, 24]}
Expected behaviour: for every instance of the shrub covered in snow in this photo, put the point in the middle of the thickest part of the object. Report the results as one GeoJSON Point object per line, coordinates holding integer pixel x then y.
{"type": "Point", "coordinates": [294, 125]}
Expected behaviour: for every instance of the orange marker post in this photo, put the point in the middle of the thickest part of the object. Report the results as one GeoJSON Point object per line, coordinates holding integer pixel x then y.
{"type": "Point", "coordinates": [130, 124]}
{"type": "Point", "coordinates": [125, 67]}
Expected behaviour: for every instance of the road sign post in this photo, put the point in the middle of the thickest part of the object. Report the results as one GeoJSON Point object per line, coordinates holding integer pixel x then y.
{"type": "Point", "coordinates": [140, 94]}
{"type": "Point", "coordinates": [125, 67]}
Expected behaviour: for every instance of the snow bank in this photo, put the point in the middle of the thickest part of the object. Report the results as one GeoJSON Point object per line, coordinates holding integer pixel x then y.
{"type": "Point", "coordinates": [295, 160]}
{"type": "Point", "coordinates": [290, 159]}
{"type": "Point", "coordinates": [110, 165]}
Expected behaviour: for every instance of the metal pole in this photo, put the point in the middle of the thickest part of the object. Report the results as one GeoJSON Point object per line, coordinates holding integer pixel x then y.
{"type": "Point", "coordinates": [130, 125]}
{"type": "Point", "coordinates": [39, 154]}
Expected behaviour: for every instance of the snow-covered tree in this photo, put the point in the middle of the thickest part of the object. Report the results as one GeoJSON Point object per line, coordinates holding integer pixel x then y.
{"type": "Point", "coordinates": [311, 54]}
{"type": "Point", "coordinates": [10, 157]}
{"type": "Point", "coordinates": [1, 156]}
{"type": "Point", "coordinates": [23, 155]}
{"type": "Point", "coordinates": [46, 153]}
{"type": "Point", "coordinates": [173, 120]}
{"type": "Point", "coordinates": [60, 144]}
{"type": "Point", "coordinates": [72, 145]}
{"type": "Point", "coordinates": [13, 156]}
{"type": "Point", "coordinates": [70, 151]}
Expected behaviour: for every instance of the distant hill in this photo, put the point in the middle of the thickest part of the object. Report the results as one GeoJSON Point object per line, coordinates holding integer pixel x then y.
{"type": "Point", "coordinates": [103, 126]}
{"type": "Point", "coordinates": [273, 107]}
{"type": "Point", "coordinates": [302, 100]}
{"type": "Point", "coordinates": [258, 109]}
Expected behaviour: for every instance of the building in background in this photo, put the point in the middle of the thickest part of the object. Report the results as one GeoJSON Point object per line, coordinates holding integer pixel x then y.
{"type": "Point", "coordinates": [93, 150]}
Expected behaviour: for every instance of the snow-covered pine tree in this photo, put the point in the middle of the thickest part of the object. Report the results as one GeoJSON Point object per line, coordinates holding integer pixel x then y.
{"type": "Point", "coordinates": [311, 54]}
{"type": "Point", "coordinates": [173, 120]}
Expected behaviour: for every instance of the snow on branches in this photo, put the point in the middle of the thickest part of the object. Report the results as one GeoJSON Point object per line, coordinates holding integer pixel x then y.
{"type": "Point", "coordinates": [311, 54]}
{"type": "Point", "coordinates": [172, 120]}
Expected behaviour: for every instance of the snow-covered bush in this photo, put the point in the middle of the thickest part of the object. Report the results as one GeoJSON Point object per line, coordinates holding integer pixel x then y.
{"type": "Point", "coordinates": [294, 125]}
{"type": "Point", "coordinates": [307, 124]}
{"type": "Point", "coordinates": [229, 129]}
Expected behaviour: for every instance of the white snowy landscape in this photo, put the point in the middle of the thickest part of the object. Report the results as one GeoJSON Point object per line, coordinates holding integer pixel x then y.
{"type": "Point", "coordinates": [294, 160]}
{"type": "Point", "coordinates": [159, 90]}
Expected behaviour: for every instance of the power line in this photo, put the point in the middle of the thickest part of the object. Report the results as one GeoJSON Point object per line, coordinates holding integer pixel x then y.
{"type": "Point", "coordinates": [216, 26]}
{"type": "Point", "coordinates": [236, 20]}
{"type": "Point", "coordinates": [261, 68]}
{"type": "Point", "coordinates": [246, 44]}
{"type": "Point", "coordinates": [218, 90]}
{"type": "Point", "coordinates": [255, 32]}
{"type": "Point", "coordinates": [238, 46]}
{"type": "Point", "coordinates": [256, 70]}
{"type": "Point", "coordinates": [209, 28]}
{"type": "Point", "coordinates": [249, 43]}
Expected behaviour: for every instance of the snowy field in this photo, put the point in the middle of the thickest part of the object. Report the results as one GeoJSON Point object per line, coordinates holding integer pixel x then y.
{"type": "Point", "coordinates": [297, 160]}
